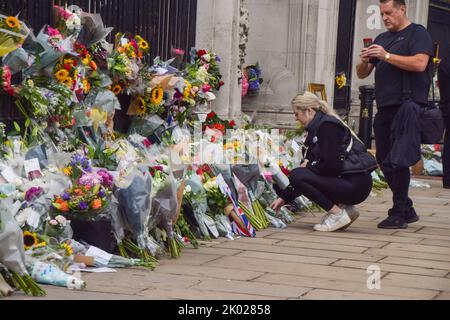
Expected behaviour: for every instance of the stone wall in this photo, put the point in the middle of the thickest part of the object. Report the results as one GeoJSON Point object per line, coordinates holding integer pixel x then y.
{"type": "Point", "coordinates": [295, 43]}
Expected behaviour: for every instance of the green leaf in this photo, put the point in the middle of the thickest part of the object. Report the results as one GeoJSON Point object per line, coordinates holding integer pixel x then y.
{"type": "Point", "coordinates": [27, 122]}
{"type": "Point", "coordinates": [34, 132]}
{"type": "Point", "coordinates": [16, 126]}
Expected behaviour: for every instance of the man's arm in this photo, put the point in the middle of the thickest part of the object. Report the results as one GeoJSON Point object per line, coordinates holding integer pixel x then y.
{"type": "Point", "coordinates": [364, 69]}
{"type": "Point", "coordinates": [415, 63]}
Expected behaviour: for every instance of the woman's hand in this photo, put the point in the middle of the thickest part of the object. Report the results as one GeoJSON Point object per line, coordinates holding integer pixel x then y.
{"type": "Point", "coordinates": [304, 163]}
{"type": "Point", "coordinates": [277, 204]}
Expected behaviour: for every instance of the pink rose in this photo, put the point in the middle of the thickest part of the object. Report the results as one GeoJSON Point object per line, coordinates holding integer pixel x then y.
{"type": "Point", "coordinates": [206, 87]}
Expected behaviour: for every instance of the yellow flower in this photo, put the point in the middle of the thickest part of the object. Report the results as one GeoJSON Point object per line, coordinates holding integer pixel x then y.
{"type": "Point", "coordinates": [157, 95]}
{"type": "Point", "coordinates": [228, 146]}
{"type": "Point", "coordinates": [68, 61]}
{"type": "Point", "coordinates": [86, 86]}
{"type": "Point", "coordinates": [61, 74]}
{"type": "Point", "coordinates": [40, 244]}
{"type": "Point", "coordinates": [117, 89]}
{"type": "Point", "coordinates": [67, 82]}
{"type": "Point", "coordinates": [341, 81]}
{"type": "Point", "coordinates": [85, 61]}
{"type": "Point", "coordinates": [187, 89]}
{"type": "Point", "coordinates": [143, 45]}
{"type": "Point", "coordinates": [436, 60]}
{"type": "Point", "coordinates": [141, 107]}
{"type": "Point", "coordinates": [12, 22]}
{"type": "Point", "coordinates": [29, 240]}
{"type": "Point", "coordinates": [68, 171]}
{"type": "Point", "coordinates": [67, 248]}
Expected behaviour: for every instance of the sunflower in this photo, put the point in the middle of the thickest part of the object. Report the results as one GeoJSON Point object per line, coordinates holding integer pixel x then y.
{"type": "Point", "coordinates": [29, 240]}
{"type": "Point", "coordinates": [141, 106]}
{"type": "Point", "coordinates": [68, 61]}
{"type": "Point", "coordinates": [67, 82]}
{"type": "Point", "coordinates": [157, 95]}
{"type": "Point", "coordinates": [61, 74]}
{"type": "Point", "coordinates": [12, 22]}
{"type": "Point", "coordinates": [143, 45]}
{"type": "Point", "coordinates": [117, 89]}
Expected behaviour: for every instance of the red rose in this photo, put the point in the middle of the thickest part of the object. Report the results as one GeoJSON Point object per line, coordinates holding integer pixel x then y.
{"type": "Point", "coordinates": [213, 139]}
{"type": "Point", "coordinates": [75, 63]}
{"type": "Point", "coordinates": [221, 83]}
{"type": "Point", "coordinates": [67, 67]}
{"type": "Point", "coordinates": [199, 172]}
{"type": "Point", "coordinates": [201, 53]}
{"type": "Point", "coordinates": [210, 115]}
{"type": "Point", "coordinates": [232, 123]}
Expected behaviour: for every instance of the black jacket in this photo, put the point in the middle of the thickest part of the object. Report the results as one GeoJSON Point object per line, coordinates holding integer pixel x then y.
{"type": "Point", "coordinates": [333, 151]}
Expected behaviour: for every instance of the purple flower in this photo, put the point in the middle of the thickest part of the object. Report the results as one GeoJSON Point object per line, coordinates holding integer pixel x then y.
{"type": "Point", "coordinates": [90, 179]}
{"type": "Point", "coordinates": [32, 193]}
{"type": "Point", "coordinates": [82, 206]}
{"type": "Point", "coordinates": [106, 178]}
{"type": "Point", "coordinates": [65, 196]}
{"type": "Point", "coordinates": [101, 193]}
{"type": "Point", "coordinates": [218, 59]}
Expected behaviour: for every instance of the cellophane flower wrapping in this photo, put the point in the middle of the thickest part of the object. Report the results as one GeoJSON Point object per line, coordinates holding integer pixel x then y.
{"type": "Point", "coordinates": [48, 273]}
{"type": "Point", "coordinates": [12, 253]}
{"type": "Point", "coordinates": [103, 258]}
{"type": "Point", "coordinates": [134, 196]}
{"type": "Point", "coordinates": [197, 197]}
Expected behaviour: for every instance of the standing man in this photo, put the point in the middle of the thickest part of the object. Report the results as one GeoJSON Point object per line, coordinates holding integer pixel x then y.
{"type": "Point", "coordinates": [444, 90]}
{"type": "Point", "coordinates": [404, 47]}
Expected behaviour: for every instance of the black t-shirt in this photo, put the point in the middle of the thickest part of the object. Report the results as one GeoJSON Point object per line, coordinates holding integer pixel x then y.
{"type": "Point", "coordinates": [388, 78]}
{"type": "Point", "coordinates": [444, 83]}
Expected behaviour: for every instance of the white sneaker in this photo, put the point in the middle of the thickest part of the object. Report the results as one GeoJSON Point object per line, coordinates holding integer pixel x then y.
{"type": "Point", "coordinates": [352, 212]}
{"type": "Point", "coordinates": [333, 222]}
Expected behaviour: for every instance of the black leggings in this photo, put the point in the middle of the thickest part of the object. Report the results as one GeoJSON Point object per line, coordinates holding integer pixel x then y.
{"type": "Point", "coordinates": [326, 191]}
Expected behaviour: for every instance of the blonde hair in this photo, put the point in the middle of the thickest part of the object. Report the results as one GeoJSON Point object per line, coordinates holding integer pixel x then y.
{"type": "Point", "coordinates": [302, 102]}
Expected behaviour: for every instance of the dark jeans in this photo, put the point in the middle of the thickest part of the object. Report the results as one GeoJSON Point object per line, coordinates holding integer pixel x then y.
{"type": "Point", "coordinates": [398, 179]}
{"type": "Point", "coordinates": [326, 191]}
{"type": "Point", "coordinates": [446, 153]}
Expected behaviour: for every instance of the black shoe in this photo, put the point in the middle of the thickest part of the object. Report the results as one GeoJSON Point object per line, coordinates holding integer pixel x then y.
{"type": "Point", "coordinates": [411, 216]}
{"type": "Point", "coordinates": [393, 222]}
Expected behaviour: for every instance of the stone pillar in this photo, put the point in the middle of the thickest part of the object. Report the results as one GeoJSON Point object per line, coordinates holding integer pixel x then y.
{"type": "Point", "coordinates": [218, 30]}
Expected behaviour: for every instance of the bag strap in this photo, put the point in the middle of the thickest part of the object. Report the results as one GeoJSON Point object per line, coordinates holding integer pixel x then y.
{"type": "Point", "coordinates": [406, 75]}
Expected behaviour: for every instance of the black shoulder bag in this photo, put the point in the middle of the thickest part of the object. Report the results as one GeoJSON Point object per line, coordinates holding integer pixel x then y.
{"type": "Point", "coordinates": [431, 119]}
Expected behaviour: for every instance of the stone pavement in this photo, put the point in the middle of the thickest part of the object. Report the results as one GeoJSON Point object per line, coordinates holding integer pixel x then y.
{"type": "Point", "coordinates": [299, 263]}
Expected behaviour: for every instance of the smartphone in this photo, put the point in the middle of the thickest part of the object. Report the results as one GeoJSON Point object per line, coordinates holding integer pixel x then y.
{"type": "Point", "coordinates": [367, 42]}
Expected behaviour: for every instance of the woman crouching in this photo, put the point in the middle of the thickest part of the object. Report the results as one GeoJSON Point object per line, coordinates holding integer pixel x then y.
{"type": "Point", "coordinates": [336, 171]}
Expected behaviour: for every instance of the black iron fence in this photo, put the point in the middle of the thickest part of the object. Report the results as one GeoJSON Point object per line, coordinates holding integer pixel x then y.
{"type": "Point", "coordinates": [164, 23]}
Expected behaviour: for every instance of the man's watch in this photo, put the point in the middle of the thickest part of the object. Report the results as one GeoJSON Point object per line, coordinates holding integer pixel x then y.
{"type": "Point", "coordinates": [387, 56]}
